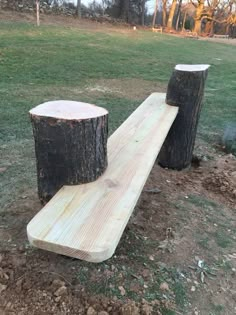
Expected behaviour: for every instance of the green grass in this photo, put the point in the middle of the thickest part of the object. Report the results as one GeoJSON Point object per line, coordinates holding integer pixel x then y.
{"type": "Point", "coordinates": [202, 241]}
{"type": "Point", "coordinates": [52, 62]}
{"type": "Point", "coordinates": [217, 309]}
{"type": "Point", "coordinates": [222, 239]}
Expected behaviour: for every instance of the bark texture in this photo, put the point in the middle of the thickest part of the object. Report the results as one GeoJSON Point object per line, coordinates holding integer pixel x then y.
{"type": "Point", "coordinates": [68, 152]}
{"type": "Point", "coordinates": [171, 14]}
{"type": "Point", "coordinates": [164, 12]}
{"type": "Point", "coordinates": [198, 17]}
{"type": "Point", "coordinates": [185, 90]}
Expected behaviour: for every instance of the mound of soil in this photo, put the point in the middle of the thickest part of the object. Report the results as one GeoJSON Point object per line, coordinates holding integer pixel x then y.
{"type": "Point", "coordinates": [222, 180]}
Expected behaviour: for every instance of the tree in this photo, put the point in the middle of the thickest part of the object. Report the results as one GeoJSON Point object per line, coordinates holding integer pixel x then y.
{"type": "Point", "coordinates": [178, 15]}
{"type": "Point", "coordinates": [78, 8]}
{"type": "Point", "coordinates": [198, 17]}
{"type": "Point", "coordinates": [172, 13]}
{"type": "Point", "coordinates": [142, 17]}
{"type": "Point", "coordinates": [164, 12]}
{"type": "Point", "coordinates": [130, 11]}
{"type": "Point", "coordinates": [209, 28]}
{"type": "Point", "coordinates": [217, 12]}
{"type": "Point", "coordinates": [155, 13]}
{"type": "Point", "coordinates": [37, 12]}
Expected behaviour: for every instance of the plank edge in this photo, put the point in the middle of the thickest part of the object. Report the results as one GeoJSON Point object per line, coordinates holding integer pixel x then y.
{"type": "Point", "coordinates": [95, 257]}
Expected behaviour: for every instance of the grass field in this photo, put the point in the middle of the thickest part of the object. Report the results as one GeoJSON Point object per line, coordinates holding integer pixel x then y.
{"type": "Point", "coordinates": [51, 62]}
{"type": "Point", "coordinates": [118, 69]}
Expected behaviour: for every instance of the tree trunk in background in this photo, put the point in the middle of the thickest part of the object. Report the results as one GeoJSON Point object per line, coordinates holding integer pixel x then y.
{"type": "Point", "coordinates": [185, 90]}
{"type": "Point", "coordinates": [171, 15]}
{"type": "Point", "coordinates": [124, 10]}
{"type": "Point", "coordinates": [185, 15]}
{"type": "Point", "coordinates": [164, 14]}
{"type": "Point", "coordinates": [178, 15]}
{"type": "Point", "coordinates": [155, 13]}
{"type": "Point", "coordinates": [142, 12]}
{"type": "Point", "coordinates": [212, 31]}
{"type": "Point", "coordinates": [37, 12]}
{"type": "Point", "coordinates": [198, 17]}
{"type": "Point", "coordinates": [78, 8]}
{"type": "Point", "coordinates": [209, 29]}
{"type": "Point", "coordinates": [70, 144]}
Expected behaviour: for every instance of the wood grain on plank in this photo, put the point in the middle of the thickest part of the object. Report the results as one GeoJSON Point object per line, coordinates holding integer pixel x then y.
{"type": "Point", "coordinates": [87, 221]}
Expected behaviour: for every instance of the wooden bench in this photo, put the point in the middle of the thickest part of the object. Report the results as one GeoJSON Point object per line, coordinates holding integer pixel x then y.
{"type": "Point", "coordinates": [221, 36]}
{"type": "Point", "coordinates": [87, 221]}
{"type": "Point", "coordinates": [157, 29]}
{"type": "Point", "coordinates": [193, 35]}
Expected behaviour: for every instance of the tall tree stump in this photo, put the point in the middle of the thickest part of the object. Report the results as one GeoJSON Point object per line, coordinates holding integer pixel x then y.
{"type": "Point", "coordinates": [185, 90]}
{"type": "Point", "coordinates": [70, 144]}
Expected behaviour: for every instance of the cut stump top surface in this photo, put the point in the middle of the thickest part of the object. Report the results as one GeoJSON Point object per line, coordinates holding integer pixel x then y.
{"type": "Point", "coordinates": [191, 68]}
{"type": "Point", "coordinates": [68, 110]}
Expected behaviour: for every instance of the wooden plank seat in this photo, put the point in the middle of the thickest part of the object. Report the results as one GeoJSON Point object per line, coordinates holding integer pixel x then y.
{"type": "Point", "coordinates": [87, 221]}
{"type": "Point", "coordinates": [157, 29]}
{"type": "Point", "coordinates": [221, 36]}
{"type": "Point", "coordinates": [193, 35]}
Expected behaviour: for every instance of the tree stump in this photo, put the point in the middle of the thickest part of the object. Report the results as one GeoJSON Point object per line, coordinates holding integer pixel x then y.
{"type": "Point", "coordinates": [185, 90]}
{"type": "Point", "coordinates": [70, 144]}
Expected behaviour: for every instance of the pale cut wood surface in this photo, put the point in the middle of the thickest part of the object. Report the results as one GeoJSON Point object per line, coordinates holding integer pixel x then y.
{"type": "Point", "coordinates": [69, 110]}
{"type": "Point", "coordinates": [87, 221]}
{"type": "Point", "coordinates": [191, 68]}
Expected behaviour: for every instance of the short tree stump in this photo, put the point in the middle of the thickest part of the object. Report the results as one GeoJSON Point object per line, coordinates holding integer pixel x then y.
{"type": "Point", "coordinates": [70, 144]}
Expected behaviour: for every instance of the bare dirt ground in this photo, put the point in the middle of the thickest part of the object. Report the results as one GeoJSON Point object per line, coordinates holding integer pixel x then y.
{"type": "Point", "coordinates": [191, 219]}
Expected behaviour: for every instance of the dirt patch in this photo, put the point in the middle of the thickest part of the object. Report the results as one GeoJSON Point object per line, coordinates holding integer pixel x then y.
{"type": "Point", "coordinates": [177, 222]}
{"type": "Point", "coordinates": [134, 89]}
{"type": "Point", "coordinates": [227, 41]}
{"type": "Point", "coordinates": [222, 179]}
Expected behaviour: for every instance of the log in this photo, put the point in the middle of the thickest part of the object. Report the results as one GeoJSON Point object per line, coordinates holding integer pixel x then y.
{"type": "Point", "coordinates": [70, 144]}
{"type": "Point", "coordinates": [185, 90]}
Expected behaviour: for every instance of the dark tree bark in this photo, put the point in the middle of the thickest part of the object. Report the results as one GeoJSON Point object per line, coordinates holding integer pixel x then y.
{"type": "Point", "coordinates": [124, 10]}
{"type": "Point", "coordinates": [178, 15]}
{"type": "Point", "coordinates": [142, 19]}
{"type": "Point", "coordinates": [185, 90]}
{"type": "Point", "coordinates": [70, 147]}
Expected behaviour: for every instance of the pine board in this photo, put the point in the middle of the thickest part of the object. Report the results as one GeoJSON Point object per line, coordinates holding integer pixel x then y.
{"type": "Point", "coordinates": [87, 221]}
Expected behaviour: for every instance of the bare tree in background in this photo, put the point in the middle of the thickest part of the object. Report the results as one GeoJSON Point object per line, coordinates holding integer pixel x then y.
{"type": "Point", "coordinates": [178, 15]}
{"type": "Point", "coordinates": [125, 11]}
{"type": "Point", "coordinates": [78, 8]}
{"type": "Point", "coordinates": [164, 12]}
{"type": "Point", "coordinates": [142, 12]}
{"type": "Point", "coordinates": [198, 17]}
{"type": "Point", "coordinates": [171, 14]}
{"type": "Point", "coordinates": [37, 12]}
{"type": "Point", "coordinates": [155, 13]}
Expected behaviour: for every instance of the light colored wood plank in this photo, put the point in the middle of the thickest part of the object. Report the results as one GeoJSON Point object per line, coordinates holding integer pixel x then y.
{"type": "Point", "coordinates": [87, 221]}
